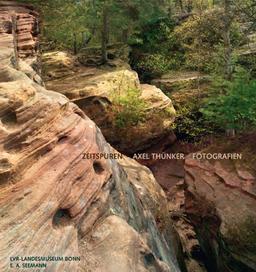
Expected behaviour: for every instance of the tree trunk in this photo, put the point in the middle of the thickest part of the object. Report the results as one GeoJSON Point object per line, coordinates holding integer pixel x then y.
{"type": "Point", "coordinates": [75, 44]}
{"type": "Point", "coordinates": [15, 41]}
{"type": "Point", "coordinates": [125, 35]}
{"type": "Point", "coordinates": [231, 132]}
{"type": "Point", "coordinates": [104, 35]}
{"type": "Point", "coordinates": [227, 41]}
{"type": "Point", "coordinates": [170, 9]}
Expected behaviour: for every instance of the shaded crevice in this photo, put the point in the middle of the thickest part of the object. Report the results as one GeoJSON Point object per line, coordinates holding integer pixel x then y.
{"type": "Point", "coordinates": [61, 218]}
{"type": "Point", "coordinates": [9, 118]}
{"type": "Point", "coordinates": [98, 167]}
{"type": "Point", "coordinates": [62, 139]}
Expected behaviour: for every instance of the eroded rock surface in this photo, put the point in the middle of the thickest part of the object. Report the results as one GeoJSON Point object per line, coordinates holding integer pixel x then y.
{"type": "Point", "coordinates": [22, 20]}
{"type": "Point", "coordinates": [220, 201]}
{"type": "Point", "coordinates": [212, 203]}
{"type": "Point", "coordinates": [213, 207]}
{"type": "Point", "coordinates": [96, 91]}
{"type": "Point", "coordinates": [55, 203]}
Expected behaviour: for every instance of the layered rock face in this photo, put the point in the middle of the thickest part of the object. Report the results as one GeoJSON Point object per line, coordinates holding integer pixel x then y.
{"type": "Point", "coordinates": [212, 203]}
{"type": "Point", "coordinates": [54, 202]}
{"type": "Point", "coordinates": [96, 91]}
{"type": "Point", "coordinates": [21, 20]}
{"type": "Point", "coordinates": [213, 207]}
{"type": "Point", "coordinates": [220, 201]}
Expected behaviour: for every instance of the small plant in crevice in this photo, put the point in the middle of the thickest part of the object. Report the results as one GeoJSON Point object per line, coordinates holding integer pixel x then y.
{"type": "Point", "coordinates": [128, 108]}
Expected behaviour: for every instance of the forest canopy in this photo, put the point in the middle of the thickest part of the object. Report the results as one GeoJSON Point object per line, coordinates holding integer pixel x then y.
{"type": "Point", "coordinates": [212, 37]}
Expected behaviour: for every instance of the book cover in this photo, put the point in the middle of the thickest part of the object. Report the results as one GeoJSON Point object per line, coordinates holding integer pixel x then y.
{"type": "Point", "coordinates": [127, 136]}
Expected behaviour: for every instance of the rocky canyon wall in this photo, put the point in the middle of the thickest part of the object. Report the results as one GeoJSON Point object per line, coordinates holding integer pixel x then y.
{"type": "Point", "coordinates": [109, 214]}
{"type": "Point", "coordinates": [22, 22]}
{"type": "Point", "coordinates": [220, 202]}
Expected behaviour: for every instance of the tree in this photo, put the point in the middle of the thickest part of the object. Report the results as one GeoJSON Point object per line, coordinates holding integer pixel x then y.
{"type": "Point", "coordinates": [129, 16]}
{"type": "Point", "coordinates": [236, 108]}
{"type": "Point", "coordinates": [246, 8]}
{"type": "Point", "coordinates": [227, 21]}
{"type": "Point", "coordinates": [104, 33]}
{"type": "Point", "coordinates": [73, 24]}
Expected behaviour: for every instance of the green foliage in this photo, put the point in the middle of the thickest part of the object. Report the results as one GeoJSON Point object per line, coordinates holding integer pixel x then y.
{"type": "Point", "coordinates": [155, 49]}
{"type": "Point", "coordinates": [155, 32]}
{"type": "Point", "coordinates": [249, 62]}
{"type": "Point", "coordinates": [189, 123]}
{"type": "Point", "coordinates": [69, 24]}
{"type": "Point", "coordinates": [201, 38]}
{"type": "Point", "coordinates": [152, 65]}
{"type": "Point", "coordinates": [63, 22]}
{"type": "Point", "coordinates": [234, 106]}
{"type": "Point", "coordinates": [129, 108]}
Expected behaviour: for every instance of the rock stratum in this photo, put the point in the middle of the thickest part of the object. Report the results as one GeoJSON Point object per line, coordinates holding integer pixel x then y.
{"type": "Point", "coordinates": [21, 21]}
{"type": "Point", "coordinates": [220, 202]}
{"type": "Point", "coordinates": [213, 207]}
{"type": "Point", "coordinates": [212, 202]}
{"type": "Point", "coordinates": [53, 202]}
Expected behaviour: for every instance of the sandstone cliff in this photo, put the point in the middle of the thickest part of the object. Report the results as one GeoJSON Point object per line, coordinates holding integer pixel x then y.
{"type": "Point", "coordinates": [220, 202]}
{"type": "Point", "coordinates": [20, 20]}
{"type": "Point", "coordinates": [213, 206]}
{"type": "Point", "coordinates": [52, 201]}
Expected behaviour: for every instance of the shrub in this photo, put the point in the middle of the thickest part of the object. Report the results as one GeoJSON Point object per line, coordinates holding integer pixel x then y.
{"type": "Point", "coordinates": [129, 108]}
{"type": "Point", "coordinates": [155, 49]}
{"type": "Point", "coordinates": [189, 123]}
{"type": "Point", "coordinates": [234, 106]}
{"type": "Point", "coordinates": [152, 65]}
{"type": "Point", "coordinates": [154, 33]}
{"type": "Point", "coordinates": [248, 61]}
